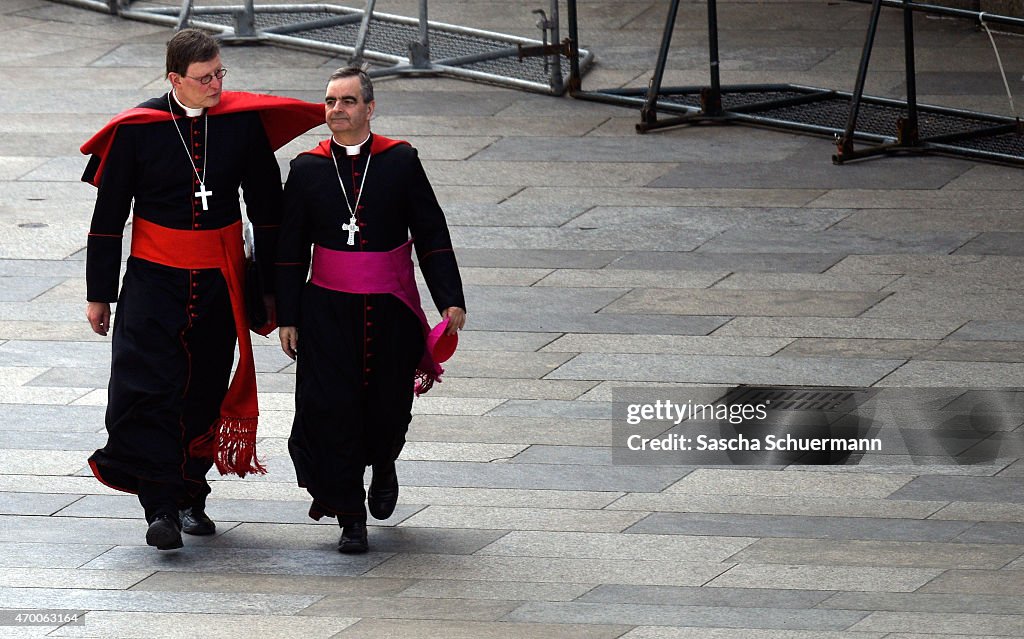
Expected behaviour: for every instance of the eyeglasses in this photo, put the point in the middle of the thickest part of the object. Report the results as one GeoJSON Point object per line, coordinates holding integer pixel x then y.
{"type": "Point", "coordinates": [208, 78]}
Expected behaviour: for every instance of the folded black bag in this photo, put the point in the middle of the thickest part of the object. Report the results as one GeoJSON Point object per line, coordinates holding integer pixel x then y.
{"type": "Point", "coordinates": [255, 309]}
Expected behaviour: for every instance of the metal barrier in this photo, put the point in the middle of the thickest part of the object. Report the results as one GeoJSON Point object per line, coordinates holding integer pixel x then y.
{"type": "Point", "coordinates": [407, 44]}
{"type": "Point", "coordinates": [892, 126]}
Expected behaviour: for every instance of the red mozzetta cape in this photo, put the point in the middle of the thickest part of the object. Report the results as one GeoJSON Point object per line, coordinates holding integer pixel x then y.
{"type": "Point", "coordinates": [284, 119]}
{"type": "Point", "coordinates": [379, 145]}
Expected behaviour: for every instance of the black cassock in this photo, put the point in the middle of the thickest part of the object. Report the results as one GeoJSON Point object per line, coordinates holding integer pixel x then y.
{"type": "Point", "coordinates": [357, 353]}
{"type": "Point", "coordinates": [174, 336]}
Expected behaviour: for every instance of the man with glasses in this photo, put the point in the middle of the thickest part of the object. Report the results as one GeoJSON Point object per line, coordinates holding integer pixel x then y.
{"type": "Point", "coordinates": [177, 162]}
{"type": "Point", "coordinates": [357, 330]}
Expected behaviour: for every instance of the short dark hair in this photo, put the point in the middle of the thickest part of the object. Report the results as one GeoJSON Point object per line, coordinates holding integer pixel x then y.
{"type": "Point", "coordinates": [188, 46]}
{"type": "Point", "coordinates": [365, 84]}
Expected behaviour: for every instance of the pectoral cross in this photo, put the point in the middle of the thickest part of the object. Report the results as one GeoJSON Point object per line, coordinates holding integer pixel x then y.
{"type": "Point", "coordinates": [352, 227]}
{"type": "Point", "coordinates": [203, 193]}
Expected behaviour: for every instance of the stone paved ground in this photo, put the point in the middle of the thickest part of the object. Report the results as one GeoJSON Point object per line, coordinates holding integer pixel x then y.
{"type": "Point", "coordinates": [594, 258]}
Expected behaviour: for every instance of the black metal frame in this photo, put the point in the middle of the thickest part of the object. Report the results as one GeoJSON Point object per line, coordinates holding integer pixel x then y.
{"type": "Point", "coordinates": [755, 103]}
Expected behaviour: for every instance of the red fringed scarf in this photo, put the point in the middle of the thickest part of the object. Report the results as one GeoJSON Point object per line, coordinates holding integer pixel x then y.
{"type": "Point", "coordinates": [231, 440]}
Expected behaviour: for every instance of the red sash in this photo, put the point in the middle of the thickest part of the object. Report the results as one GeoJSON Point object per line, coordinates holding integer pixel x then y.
{"type": "Point", "coordinates": [379, 272]}
{"type": "Point", "coordinates": [232, 438]}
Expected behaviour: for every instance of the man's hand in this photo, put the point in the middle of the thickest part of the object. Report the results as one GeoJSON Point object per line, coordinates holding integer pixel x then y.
{"type": "Point", "coordinates": [289, 340]}
{"type": "Point", "coordinates": [98, 314]}
{"type": "Point", "coordinates": [456, 319]}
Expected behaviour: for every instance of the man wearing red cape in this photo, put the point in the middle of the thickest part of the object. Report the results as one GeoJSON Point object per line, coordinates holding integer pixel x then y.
{"type": "Point", "coordinates": [363, 346]}
{"type": "Point", "coordinates": [176, 163]}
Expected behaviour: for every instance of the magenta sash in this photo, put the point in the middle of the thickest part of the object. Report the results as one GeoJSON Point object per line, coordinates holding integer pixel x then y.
{"type": "Point", "coordinates": [379, 272]}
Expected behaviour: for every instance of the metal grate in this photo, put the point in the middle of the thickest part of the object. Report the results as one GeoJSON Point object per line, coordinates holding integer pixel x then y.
{"type": "Point", "coordinates": [828, 111]}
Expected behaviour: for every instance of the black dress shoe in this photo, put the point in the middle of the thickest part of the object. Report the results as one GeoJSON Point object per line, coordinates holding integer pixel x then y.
{"type": "Point", "coordinates": [383, 495]}
{"type": "Point", "coordinates": [353, 538]}
{"type": "Point", "coordinates": [195, 522]}
{"type": "Point", "coordinates": [164, 533]}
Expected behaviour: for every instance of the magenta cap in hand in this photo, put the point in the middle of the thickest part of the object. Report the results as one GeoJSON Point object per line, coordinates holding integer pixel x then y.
{"type": "Point", "coordinates": [442, 346]}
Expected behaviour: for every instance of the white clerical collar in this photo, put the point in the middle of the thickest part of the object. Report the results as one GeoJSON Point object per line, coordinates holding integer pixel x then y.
{"type": "Point", "coordinates": [189, 111]}
{"type": "Point", "coordinates": [352, 149]}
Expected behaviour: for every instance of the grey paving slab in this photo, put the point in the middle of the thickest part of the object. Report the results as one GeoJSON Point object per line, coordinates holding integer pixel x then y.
{"type": "Point", "coordinates": [854, 328]}
{"type": "Point", "coordinates": [507, 365]}
{"type": "Point", "coordinates": [539, 476]}
{"type": "Point", "coordinates": [23, 554]}
{"type": "Point", "coordinates": [63, 419]}
{"type": "Point", "coordinates": [957, 374]}
{"type": "Point", "coordinates": [73, 377]}
{"type": "Point", "coordinates": [695, 345]}
{"type": "Point", "coordinates": [683, 502]}
{"type": "Point", "coordinates": [837, 242]}
{"type": "Point", "coordinates": [216, 626]}
{"type": "Point", "coordinates": [43, 462]}
{"type": "Point", "coordinates": [33, 503]}
{"type": "Point", "coordinates": [622, 278]}
{"type": "Point", "coordinates": [535, 258]}
{"type": "Point", "coordinates": [508, 497]}
{"type": "Point", "coordinates": [791, 526]}
{"type": "Point", "coordinates": [552, 408]}
{"type": "Point", "coordinates": [806, 281]}
{"type": "Point", "coordinates": [663, 632]}
{"type": "Point", "coordinates": [622, 150]}
{"type": "Point", "coordinates": [474, 340]}
{"type": "Point", "coordinates": [410, 608]}
{"type": "Point", "coordinates": [587, 455]}
{"type": "Point", "coordinates": [518, 430]}
{"type": "Point", "coordinates": [548, 519]}
{"type": "Point", "coordinates": [879, 553]}
{"type": "Point", "coordinates": [955, 623]}
{"type": "Point", "coordinates": [645, 238]}
{"type": "Point", "coordinates": [922, 602]}
{"type": "Point", "coordinates": [714, 218]}
{"type": "Point", "coordinates": [221, 603]}
{"type": "Point", "coordinates": [870, 348]}
{"type": "Point", "coordinates": [236, 560]}
{"type": "Point", "coordinates": [745, 302]}
{"type": "Point", "coordinates": [990, 331]}
{"type": "Point", "coordinates": [718, 597]}
{"type": "Point", "coordinates": [257, 583]}
{"type": "Point", "coordinates": [23, 289]}
{"type": "Point", "coordinates": [691, 616]}
{"type": "Point", "coordinates": [501, 590]}
{"type": "Point", "coordinates": [510, 388]}
{"type": "Point", "coordinates": [711, 369]}
{"type": "Point", "coordinates": [976, 582]}
{"type": "Point", "coordinates": [709, 261]}
{"type": "Point", "coordinates": [577, 322]}
{"type": "Point", "coordinates": [879, 220]}
{"type": "Point", "coordinates": [548, 570]}
{"type": "Point", "coordinates": [68, 354]}
{"type": "Point", "coordinates": [598, 545]}
{"type": "Point", "coordinates": [976, 351]}
{"type": "Point", "coordinates": [967, 489]}
{"type": "Point", "coordinates": [809, 168]}
{"type": "Point", "coordinates": [480, 276]}
{"type": "Point", "coordinates": [71, 578]}
{"type": "Point", "coordinates": [708, 481]}
{"type": "Point", "coordinates": [836, 577]}
{"type": "Point", "coordinates": [56, 530]}
{"type": "Point", "coordinates": [638, 196]}
{"type": "Point", "coordinates": [372, 628]}
{"type": "Point", "coordinates": [383, 538]}
{"type": "Point", "coordinates": [46, 440]}
{"type": "Point", "coordinates": [919, 199]}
